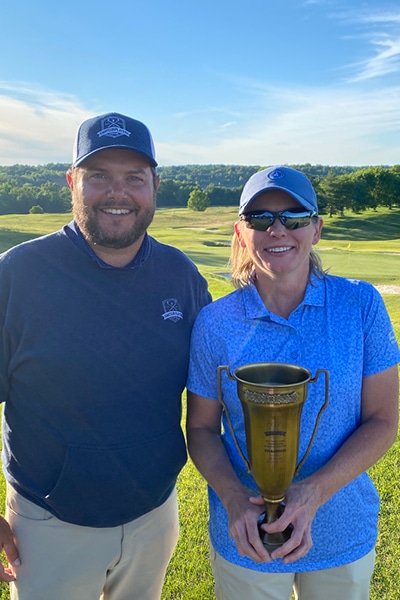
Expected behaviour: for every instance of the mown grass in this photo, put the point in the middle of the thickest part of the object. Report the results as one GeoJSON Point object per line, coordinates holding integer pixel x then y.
{"type": "Point", "coordinates": [361, 246]}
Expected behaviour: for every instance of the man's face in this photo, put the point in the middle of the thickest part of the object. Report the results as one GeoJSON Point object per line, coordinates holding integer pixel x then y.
{"type": "Point", "coordinates": [113, 197]}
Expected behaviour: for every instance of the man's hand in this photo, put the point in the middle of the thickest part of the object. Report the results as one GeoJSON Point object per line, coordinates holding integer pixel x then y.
{"type": "Point", "coordinates": [7, 543]}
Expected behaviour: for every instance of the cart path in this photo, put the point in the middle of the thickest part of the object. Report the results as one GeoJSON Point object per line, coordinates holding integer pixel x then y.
{"type": "Point", "coordinates": [388, 289]}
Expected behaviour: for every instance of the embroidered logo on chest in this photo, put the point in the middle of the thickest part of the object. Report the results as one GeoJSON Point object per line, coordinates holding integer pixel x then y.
{"type": "Point", "coordinates": [172, 310]}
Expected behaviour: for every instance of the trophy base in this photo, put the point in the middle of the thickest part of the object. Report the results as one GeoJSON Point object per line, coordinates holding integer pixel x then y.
{"type": "Point", "coordinates": [272, 541]}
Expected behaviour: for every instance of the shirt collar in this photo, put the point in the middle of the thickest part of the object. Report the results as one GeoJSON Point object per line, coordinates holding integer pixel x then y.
{"type": "Point", "coordinates": [75, 235]}
{"type": "Point", "coordinates": [255, 309]}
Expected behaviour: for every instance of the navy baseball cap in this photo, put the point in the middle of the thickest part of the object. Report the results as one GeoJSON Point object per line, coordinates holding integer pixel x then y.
{"type": "Point", "coordinates": [112, 130]}
{"type": "Point", "coordinates": [289, 180]}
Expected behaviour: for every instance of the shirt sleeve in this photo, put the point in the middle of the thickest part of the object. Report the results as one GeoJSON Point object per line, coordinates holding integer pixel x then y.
{"type": "Point", "coordinates": [202, 375]}
{"type": "Point", "coordinates": [381, 349]}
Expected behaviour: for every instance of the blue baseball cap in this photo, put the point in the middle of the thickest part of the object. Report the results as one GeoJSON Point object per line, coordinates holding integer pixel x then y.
{"type": "Point", "coordinates": [112, 130]}
{"type": "Point", "coordinates": [289, 180]}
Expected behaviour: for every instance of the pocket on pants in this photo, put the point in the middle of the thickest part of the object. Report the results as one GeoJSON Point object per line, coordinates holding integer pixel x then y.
{"type": "Point", "coordinates": [18, 505]}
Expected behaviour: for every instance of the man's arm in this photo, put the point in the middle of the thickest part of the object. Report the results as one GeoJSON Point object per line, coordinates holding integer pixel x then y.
{"type": "Point", "coordinates": [7, 543]}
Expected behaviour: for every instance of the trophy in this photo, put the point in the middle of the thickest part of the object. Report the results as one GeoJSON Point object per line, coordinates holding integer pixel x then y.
{"type": "Point", "coordinates": [272, 396]}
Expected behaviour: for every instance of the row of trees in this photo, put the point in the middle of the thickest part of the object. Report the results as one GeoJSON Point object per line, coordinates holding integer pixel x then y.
{"type": "Point", "coordinates": [359, 190]}
{"type": "Point", "coordinates": [355, 190]}
{"type": "Point", "coordinates": [52, 198]}
{"type": "Point", "coordinates": [338, 188]}
{"type": "Point", "coordinates": [23, 187]}
{"type": "Point", "coordinates": [226, 176]}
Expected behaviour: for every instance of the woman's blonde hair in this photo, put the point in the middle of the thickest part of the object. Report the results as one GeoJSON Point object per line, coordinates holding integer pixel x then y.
{"type": "Point", "coordinates": [242, 267]}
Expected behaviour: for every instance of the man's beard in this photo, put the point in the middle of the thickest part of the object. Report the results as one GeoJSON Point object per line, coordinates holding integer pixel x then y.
{"type": "Point", "coordinates": [88, 223]}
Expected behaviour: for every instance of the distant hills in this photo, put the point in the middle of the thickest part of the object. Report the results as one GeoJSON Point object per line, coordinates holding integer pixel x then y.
{"type": "Point", "coordinates": [233, 176]}
{"type": "Point", "coordinates": [230, 176]}
{"type": "Point", "coordinates": [43, 188]}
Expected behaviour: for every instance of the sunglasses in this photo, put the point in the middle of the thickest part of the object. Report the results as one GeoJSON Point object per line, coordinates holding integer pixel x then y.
{"type": "Point", "coordinates": [262, 220]}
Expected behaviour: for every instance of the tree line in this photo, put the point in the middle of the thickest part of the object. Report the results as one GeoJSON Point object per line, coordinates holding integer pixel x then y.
{"type": "Point", "coordinates": [43, 188]}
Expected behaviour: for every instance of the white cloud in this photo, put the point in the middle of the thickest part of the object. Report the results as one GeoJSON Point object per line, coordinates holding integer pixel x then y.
{"type": "Point", "coordinates": [37, 126]}
{"type": "Point", "coordinates": [383, 17]}
{"type": "Point", "coordinates": [331, 125]}
{"type": "Point", "coordinates": [381, 32]}
{"type": "Point", "coordinates": [386, 60]}
{"type": "Point", "coordinates": [327, 126]}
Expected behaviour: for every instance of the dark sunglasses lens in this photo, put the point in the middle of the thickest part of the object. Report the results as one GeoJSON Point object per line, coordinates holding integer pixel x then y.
{"type": "Point", "coordinates": [297, 222]}
{"type": "Point", "coordinates": [259, 223]}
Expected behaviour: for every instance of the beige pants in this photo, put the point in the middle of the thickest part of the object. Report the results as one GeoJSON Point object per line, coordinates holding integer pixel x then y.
{"type": "Point", "coordinates": [350, 582]}
{"type": "Point", "coordinates": [60, 561]}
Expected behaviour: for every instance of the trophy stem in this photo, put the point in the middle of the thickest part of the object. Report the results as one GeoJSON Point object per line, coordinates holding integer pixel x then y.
{"type": "Point", "coordinates": [271, 541]}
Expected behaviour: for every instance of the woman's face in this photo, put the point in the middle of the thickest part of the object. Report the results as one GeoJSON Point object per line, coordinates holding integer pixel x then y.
{"type": "Point", "coordinates": [278, 251]}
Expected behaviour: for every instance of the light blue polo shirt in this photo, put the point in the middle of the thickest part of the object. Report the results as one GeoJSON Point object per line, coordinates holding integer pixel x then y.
{"type": "Point", "coordinates": [342, 325]}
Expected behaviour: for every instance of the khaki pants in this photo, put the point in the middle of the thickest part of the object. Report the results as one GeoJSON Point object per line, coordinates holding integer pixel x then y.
{"type": "Point", "coordinates": [350, 582]}
{"type": "Point", "coordinates": [60, 561]}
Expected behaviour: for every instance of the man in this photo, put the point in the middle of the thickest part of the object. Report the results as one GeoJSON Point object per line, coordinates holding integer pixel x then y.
{"type": "Point", "coordinates": [96, 320]}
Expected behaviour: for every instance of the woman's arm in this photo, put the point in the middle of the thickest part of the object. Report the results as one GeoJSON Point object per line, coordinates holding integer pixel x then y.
{"type": "Point", "coordinates": [207, 451]}
{"type": "Point", "coordinates": [368, 443]}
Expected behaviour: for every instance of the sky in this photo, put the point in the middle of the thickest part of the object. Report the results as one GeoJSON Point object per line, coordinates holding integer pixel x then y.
{"type": "Point", "coordinates": [260, 82]}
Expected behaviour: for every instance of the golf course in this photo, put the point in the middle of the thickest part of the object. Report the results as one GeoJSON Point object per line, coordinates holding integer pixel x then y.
{"type": "Point", "coordinates": [358, 246]}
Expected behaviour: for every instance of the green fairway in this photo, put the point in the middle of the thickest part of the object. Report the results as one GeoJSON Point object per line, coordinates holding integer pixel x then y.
{"type": "Point", "coordinates": [363, 246]}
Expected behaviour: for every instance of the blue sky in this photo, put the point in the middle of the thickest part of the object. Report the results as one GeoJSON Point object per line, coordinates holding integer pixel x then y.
{"type": "Point", "coordinates": [258, 82]}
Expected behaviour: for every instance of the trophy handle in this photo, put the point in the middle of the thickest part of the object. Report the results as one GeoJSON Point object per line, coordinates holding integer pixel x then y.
{"type": "Point", "coordinates": [220, 369]}
{"type": "Point", "coordinates": [317, 374]}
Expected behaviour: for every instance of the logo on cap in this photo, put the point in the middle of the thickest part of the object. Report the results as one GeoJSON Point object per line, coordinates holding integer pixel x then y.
{"type": "Point", "coordinates": [113, 127]}
{"type": "Point", "coordinates": [277, 174]}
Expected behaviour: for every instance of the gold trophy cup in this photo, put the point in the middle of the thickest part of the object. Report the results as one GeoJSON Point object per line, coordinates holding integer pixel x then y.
{"type": "Point", "coordinates": [272, 396]}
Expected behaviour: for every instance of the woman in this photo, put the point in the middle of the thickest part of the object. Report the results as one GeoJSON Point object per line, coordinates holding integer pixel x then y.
{"type": "Point", "coordinates": [286, 309]}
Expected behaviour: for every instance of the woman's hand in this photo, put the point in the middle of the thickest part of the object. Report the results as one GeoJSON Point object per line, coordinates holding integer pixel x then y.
{"type": "Point", "coordinates": [243, 513]}
{"type": "Point", "coordinates": [301, 504]}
